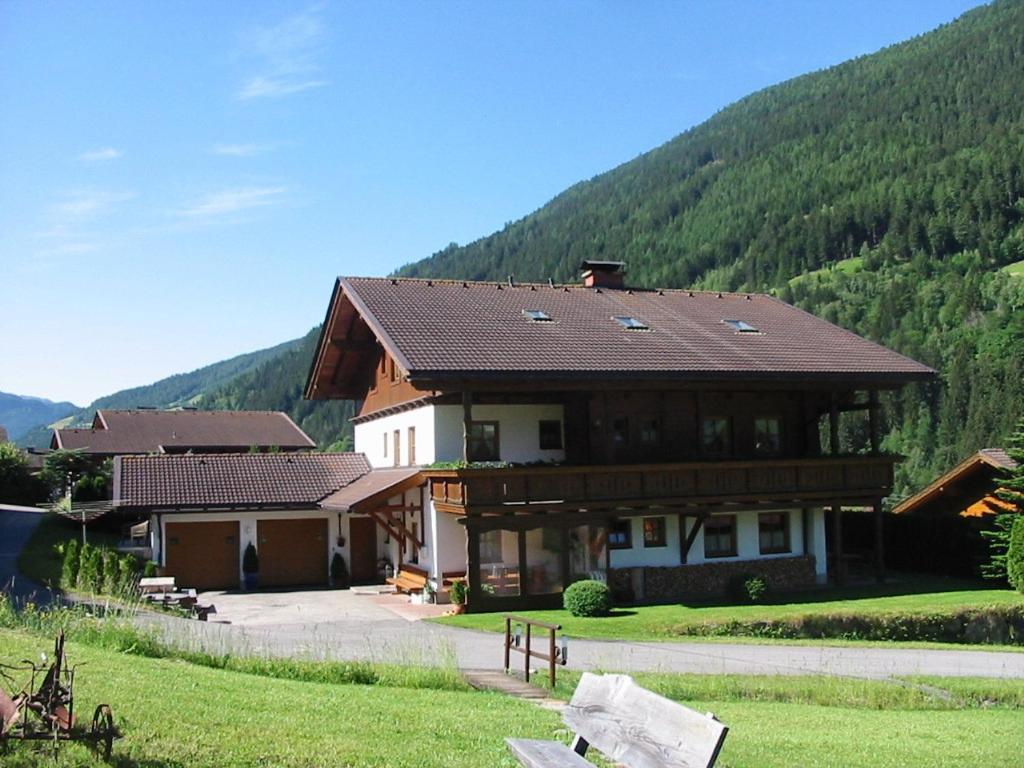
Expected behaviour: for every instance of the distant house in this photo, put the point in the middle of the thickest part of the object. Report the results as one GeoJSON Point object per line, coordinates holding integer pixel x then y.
{"type": "Point", "coordinates": [202, 511]}
{"type": "Point", "coordinates": [967, 490]}
{"type": "Point", "coordinates": [143, 431]}
{"type": "Point", "coordinates": [666, 441]}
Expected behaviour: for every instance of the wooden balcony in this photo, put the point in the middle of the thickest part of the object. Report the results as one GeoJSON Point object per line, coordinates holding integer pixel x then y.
{"type": "Point", "coordinates": [845, 479]}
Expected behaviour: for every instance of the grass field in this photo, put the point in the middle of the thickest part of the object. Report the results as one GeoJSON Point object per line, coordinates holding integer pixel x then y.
{"type": "Point", "coordinates": [1016, 269]}
{"type": "Point", "coordinates": [668, 622]}
{"type": "Point", "coordinates": [177, 714]}
{"type": "Point", "coordinates": [847, 266]}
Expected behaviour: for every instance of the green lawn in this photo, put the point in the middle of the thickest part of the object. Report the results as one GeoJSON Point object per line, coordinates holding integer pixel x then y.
{"type": "Point", "coordinates": [177, 714]}
{"type": "Point", "coordinates": [41, 562]}
{"type": "Point", "coordinates": [1016, 269]}
{"type": "Point", "coordinates": [668, 622]}
{"type": "Point", "coordinates": [847, 266]}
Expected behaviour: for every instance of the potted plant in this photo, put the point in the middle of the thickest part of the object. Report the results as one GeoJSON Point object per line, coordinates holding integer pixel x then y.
{"type": "Point", "coordinates": [339, 572]}
{"type": "Point", "coordinates": [251, 568]}
{"type": "Point", "coordinates": [457, 593]}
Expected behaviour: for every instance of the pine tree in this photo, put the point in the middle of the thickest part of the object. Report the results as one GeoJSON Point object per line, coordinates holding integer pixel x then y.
{"type": "Point", "coordinates": [1008, 527]}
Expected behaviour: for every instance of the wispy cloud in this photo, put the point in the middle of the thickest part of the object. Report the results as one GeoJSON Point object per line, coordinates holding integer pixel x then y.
{"type": "Point", "coordinates": [100, 155]}
{"type": "Point", "coordinates": [241, 150]}
{"type": "Point", "coordinates": [233, 200]}
{"type": "Point", "coordinates": [82, 204]}
{"type": "Point", "coordinates": [288, 55]}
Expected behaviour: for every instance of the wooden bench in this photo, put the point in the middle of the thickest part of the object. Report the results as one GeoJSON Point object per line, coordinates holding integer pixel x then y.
{"type": "Point", "coordinates": [409, 579]}
{"type": "Point", "coordinates": [631, 726]}
{"type": "Point", "coordinates": [155, 585]}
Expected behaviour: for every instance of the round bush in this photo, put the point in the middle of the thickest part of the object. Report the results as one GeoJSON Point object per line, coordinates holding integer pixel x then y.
{"type": "Point", "coordinates": [588, 598]}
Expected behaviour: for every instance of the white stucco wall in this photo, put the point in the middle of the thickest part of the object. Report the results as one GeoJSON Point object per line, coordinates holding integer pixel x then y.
{"type": "Point", "coordinates": [518, 431]}
{"type": "Point", "coordinates": [748, 545]}
{"type": "Point", "coordinates": [369, 437]}
{"type": "Point", "coordinates": [639, 555]}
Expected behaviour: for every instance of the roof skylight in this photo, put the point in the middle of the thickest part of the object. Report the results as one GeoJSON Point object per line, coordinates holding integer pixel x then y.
{"type": "Point", "coordinates": [741, 326]}
{"type": "Point", "coordinates": [537, 315]}
{"type": "Point", "coordinates": [631, 323]}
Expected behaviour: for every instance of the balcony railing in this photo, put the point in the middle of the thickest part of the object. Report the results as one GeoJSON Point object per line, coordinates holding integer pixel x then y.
{"type": "Point", "coordinates": [845, 479]}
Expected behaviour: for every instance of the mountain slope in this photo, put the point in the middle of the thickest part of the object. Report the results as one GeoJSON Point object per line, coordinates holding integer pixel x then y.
{"type": "Point", "coordinates": [897, 178]}
{"type": "Point", "coordinates": [18, 414]}
{"type": "Point", "coordinates": [180, 389]}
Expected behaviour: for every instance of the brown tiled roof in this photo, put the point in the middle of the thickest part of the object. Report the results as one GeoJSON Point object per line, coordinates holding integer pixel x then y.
{"type": "Point", "coordinates": [998, 457]}
{"type": "Point", "coordinates": [443, 329]}
{"type": "Point", "coordinates": [378, 484]}
{"type": "Point", "coordinates": [239, 479]}
{"type": "Point", "coordinates": [150, 431]}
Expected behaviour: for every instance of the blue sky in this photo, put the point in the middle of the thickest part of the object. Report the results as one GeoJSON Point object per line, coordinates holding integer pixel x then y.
{"type": "Point", "coordinates": [181, 182]}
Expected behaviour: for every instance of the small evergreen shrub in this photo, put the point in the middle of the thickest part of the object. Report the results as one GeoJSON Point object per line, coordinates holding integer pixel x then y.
{"type": "Point", "coordinates": [149, 569]}
{"type": "Point", "coordinates": [111, 582]}
{"type": "Point", "coordinates": [88, 569]}
{"type": "Point", "coordinates": [747, 588]}
{"type": "Point", "coordinates": [1015, 555]}
{"type": "Point", "coordinates": [588, 598]}
{"type": "Point", "coordinates": [755, 587]}
{"type": "Point", "coordinates": [127, 574]}
{"type": "Point", "coordinates": [69, 569]}
{"type": "Point", "coordinates": [339, 572]}
{"type": "Point", "coordinates": [457, 592]}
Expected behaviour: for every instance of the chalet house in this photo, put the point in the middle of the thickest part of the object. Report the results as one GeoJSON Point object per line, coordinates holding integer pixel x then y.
{"type": "Point", "coordinates": [663, 440]}
{"type": "Point", "coordinates": [147, 430]}
{"type": "Point", "coordinates": [967, 490]}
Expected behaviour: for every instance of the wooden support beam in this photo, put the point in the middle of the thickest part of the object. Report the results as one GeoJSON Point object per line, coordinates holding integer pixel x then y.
{"type": "Point", "coordinates": [833, 423]}
{"type": "Point", "coordinates": [837, 544]}
{"type": "Point", "coordinates": [687, 543]}
{"type": "Point", "coordinates": [473, 568]}
{"type": "Point", "coordinates": [873, 420]}
{"type": "Point", "coordinates": [467, 418]}
{"type": "Point", "coordinates": [879, 542]}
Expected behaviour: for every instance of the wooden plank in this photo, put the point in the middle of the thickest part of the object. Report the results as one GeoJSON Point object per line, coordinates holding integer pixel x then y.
{"type": "Point", "coordinates": [640, 729]}
{"type": "Point", "coordinates": [545, 754]}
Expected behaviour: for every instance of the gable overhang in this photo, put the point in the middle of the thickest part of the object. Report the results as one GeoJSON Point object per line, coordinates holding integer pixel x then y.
{"type": "Point", "coordinates": [351, 339]}
{"type": "Point", "coordinates": [936, 488]}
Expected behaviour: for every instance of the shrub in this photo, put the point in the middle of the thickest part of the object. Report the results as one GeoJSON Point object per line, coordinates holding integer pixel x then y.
{"type": "Point", "coordinates": [1015, 555]}
{"type": "Point", "coordinates": [588, 598]}
{"type": "Point", "coordinates": [69, 570]}
{"type": "Point", "coordinates": [747, 588]}
{"type": "Point", "coordinates": [149, 569]}
{"type": "Point", "coordinates": [88, 568]}
{"type": "Point", "coordinates": [128, 569]}
{"type": "Point", "coordinates": [111, 581]}
{"type": "Point", "coordinates": [250, 560]}
{"type": "Point", "coordinates": [457, 592]}
{"type": "Point", "coordinates": [339, 571]}
{"type": "Point", "coordinates": [755, 587]}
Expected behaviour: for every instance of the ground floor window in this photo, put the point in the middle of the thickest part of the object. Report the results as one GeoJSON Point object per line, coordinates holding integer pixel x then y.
{"type": "Point", "coordinates": [620, 535]}
{"type": "Point", "coordinates": [499, 563]}
{"type": "Point", "coordinates": [720, 536]}
{"type": "Point", "coordinates": [544, 561]}
{"type": "Point", "coordinates": [654, 532]}
{"type": "Point", "coordinates": [773, 532]}
{"type": "Point", "coordinates": [588, 552]}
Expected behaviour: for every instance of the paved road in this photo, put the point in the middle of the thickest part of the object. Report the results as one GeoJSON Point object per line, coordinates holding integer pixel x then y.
{"type": "Point", "coordinates": [341, 625]}
{"type": "Point", "coordinates": [16, 527]}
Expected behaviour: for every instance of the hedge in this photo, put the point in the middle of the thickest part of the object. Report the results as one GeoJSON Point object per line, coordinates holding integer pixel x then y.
{"type": "Point", "coordinates": [1003, 624]}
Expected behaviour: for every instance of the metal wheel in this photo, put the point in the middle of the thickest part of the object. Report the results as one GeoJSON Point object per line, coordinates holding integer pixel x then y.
{"type": "Point", "coordinates": [103, 730]}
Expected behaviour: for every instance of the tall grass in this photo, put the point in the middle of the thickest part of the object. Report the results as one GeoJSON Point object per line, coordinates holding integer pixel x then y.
{"type": "Point", "coordinates": [113, 626]}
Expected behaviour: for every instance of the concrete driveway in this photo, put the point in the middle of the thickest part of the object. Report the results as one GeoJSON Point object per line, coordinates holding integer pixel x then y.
{"type": "Point", "coordinates": [345, 625]}
{"type": "Point", "coordinates": [16, 527]}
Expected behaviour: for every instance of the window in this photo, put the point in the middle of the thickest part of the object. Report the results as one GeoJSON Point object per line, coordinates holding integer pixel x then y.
{"type": "Point", "coordinates": [483, 441]}
{"type": "Point", "coordinates": [716, 436]}
{"type": "Point", "coordinates": [740, 326]}
{"type": "Point", "coordinates": [620, 431]}
{"type": "Point", "coordinates": [537, 315]}
{"type": "Point", "coordinates": [411, 451]}
{"type": "Point", "coordinates": [550, 435]}
{"type": "Point", "coordinates": [650, 431]}
{"type": "Point", "coordinates": [654, 531]}
{"type": "Point", "coordinates": [397, 446]}
{"type": "Point", "coordinates": [385, 445]}
{"type": "Point", "coordinates": [394, 372]}
{"type": "Point", "coordinates": [631, 323]}
{"type": "Point", "coordinates": [720, 536]}
{"type": "Point", "coordinates": [773, 532]}
{"type": "Point", "coordinates": [620, 534]}
{"type": "Point", "coordinates": [767, 436]}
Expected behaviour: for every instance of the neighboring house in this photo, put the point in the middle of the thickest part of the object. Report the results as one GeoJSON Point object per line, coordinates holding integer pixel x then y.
{"type": "Point", "coordinates": [664, 440]}
{"type": "Point", "coordinates": [967, 490]}
{"type": "Point", "coordinates": [144, 430]}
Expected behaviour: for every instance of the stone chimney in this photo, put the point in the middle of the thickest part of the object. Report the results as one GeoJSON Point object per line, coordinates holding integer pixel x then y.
{"type": "Point", "coordinates": [604, 274]}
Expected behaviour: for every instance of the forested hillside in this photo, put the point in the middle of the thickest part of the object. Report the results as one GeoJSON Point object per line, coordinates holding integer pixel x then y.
{"type": "Point", "coordinates": [18, 413]}
{"type": "Point", "coordinates": [896, 180]}
{"type": "Point", "coordinates": [277, 385]}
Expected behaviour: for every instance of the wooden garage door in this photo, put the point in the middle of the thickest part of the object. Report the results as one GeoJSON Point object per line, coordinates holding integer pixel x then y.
{"type": "Point", "coordinates": [293, 552]}
{"type": "Point", "coordinates": [203, 555]}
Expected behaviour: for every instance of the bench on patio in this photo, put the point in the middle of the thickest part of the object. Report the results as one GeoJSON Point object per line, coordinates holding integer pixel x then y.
{"type": "Point", "coordinates": [155, 585]}
{"type": "Point", "coordinates": [409, 579]}
{"type": "Point", "coordinates": [630, 726]}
